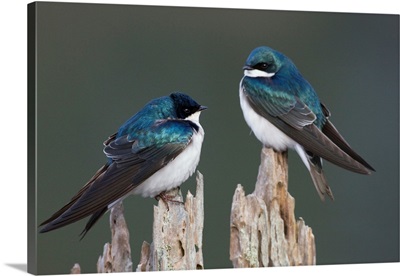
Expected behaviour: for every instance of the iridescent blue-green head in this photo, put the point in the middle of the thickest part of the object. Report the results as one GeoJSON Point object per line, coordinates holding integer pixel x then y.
{"type": "Point", "coordinates": [175, 106]}
{"type": "Point", "coordinates": [266, 62]}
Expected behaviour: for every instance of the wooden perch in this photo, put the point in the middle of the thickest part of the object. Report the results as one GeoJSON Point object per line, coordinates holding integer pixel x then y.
{"type": "Point", "coordinates": [263, 228]}
{"type": "Point", "coordinates": [177, 233]}
{"type": "Point", "coordinates": [76, 269]}
{"type": "Point", "coordinates": [117, 255]}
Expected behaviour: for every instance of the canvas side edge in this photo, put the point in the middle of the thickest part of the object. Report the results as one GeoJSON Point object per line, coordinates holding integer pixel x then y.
{"type": "Point", "coordinates": [32, 153]}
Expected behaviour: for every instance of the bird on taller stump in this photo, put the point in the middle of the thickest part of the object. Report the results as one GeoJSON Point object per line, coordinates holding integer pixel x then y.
{"type": "Point", "coordinates": [283, 111]}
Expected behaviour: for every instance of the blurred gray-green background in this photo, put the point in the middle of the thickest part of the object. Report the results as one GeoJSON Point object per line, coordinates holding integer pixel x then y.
{"type": "Point", "coordinates": [99, 64]}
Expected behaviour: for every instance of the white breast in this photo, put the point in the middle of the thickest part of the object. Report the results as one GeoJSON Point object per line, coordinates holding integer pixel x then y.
{"type": "Point", "coordinates": [176, 172]}
{"type": "Point", "coordinates": [266, 132]}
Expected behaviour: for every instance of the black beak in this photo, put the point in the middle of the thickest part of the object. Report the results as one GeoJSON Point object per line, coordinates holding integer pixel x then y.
{"type": "Point", "coordinates": [202, 107]}
{"type": "Point", "coordinates": [247, 67]}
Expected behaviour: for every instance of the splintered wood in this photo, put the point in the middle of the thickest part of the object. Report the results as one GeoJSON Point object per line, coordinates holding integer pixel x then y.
{"type": "Point", "coordinates": [177, 233]}
{"type": "Point", "coordinates": [117, 255]}
{"type": "Point", "coordinates": [263, 229]}
{"type": "Point", "coordinates": [76, 269]}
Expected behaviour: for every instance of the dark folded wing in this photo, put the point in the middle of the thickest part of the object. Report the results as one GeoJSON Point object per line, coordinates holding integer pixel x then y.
{"type": "Point", "coordinates": [331, 132]}
{"type": "Point", "coordinates": [296, 121]}
{"type": "Point", "coordinates": [289, 108]}
{"type": "Point", "coordinates": [133, 161]}
{"type": "Point", "coordinates": [76, 197]}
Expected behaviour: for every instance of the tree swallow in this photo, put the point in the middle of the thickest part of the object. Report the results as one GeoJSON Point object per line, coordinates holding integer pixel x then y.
{"type": "Point", "coordinates": [283, 111]}
{"type": "Point", "coordinates": [156, 150]}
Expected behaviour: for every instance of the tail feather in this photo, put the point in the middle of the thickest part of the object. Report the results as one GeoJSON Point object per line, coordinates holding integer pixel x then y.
{"type": "Point", "coordinates": [318, 177]}
{"type": "Point", "coordinates": [314, 166]}
{"type": "Point", "coordinates": [92, 221]}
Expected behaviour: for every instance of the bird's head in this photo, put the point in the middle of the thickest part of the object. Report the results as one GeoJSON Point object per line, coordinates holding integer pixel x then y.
{"type": "Point", "coordinates": [186, 107]}
{"type": "Point", "coordinates": [263, 62]}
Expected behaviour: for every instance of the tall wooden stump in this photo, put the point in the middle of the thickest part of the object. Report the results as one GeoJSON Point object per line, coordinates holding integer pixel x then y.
{"type": "Point", "coordinates": [263, 228]}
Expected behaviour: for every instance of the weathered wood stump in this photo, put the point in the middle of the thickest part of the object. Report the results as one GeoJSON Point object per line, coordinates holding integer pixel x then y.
{"type": "Point", "coordinates": [177, 233]}
{"type": "Point", "coordinates": [263, 228]}
{"type": "Point", "coordinates": [76, 269]}
{"type": "Point", "coordinates": [117, 254]}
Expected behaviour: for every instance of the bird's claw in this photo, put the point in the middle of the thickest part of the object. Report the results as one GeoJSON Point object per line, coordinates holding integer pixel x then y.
{"type": "Point", "coordinates": [167, 198]}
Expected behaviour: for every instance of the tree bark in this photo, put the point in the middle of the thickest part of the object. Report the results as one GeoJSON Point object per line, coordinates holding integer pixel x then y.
{"type": "Point", "coordinates": [117, 255]}
{"type": "Point", "coordinates": [264, 231]}
{"type": "Point", "coordinates": [177, 233]}
{"type": "Point", "coordinates": [76, 269]}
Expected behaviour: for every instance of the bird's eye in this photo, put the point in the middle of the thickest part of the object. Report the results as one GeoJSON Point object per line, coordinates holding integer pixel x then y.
{"type": "Point", "coordinates": [266, 67]}
{"type": "Point", "coordinates": [186, 110]}
{"type": "Point", "coordinates": [263, 66]}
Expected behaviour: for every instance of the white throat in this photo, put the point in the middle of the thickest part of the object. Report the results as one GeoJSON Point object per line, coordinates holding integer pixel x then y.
{"type": "Point", "coordinates": [255, 73]}
{"type": "Point", "coordinates": [195, 117]}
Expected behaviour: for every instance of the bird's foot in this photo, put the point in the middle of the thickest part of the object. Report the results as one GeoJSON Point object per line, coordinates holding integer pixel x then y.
{"type": "Point", "coordinates": [167, 198]}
